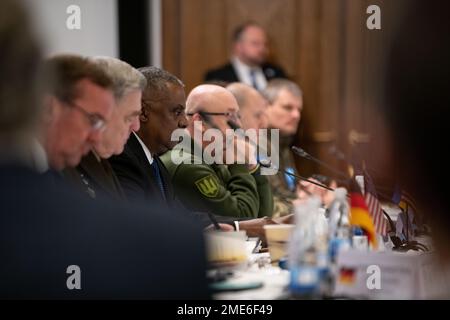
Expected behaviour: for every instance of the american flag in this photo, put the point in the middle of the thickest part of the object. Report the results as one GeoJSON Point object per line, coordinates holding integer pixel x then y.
{"type": "Point", "coordinates": [374, 206]}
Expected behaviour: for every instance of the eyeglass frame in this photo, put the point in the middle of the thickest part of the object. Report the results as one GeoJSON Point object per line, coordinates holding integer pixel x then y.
{"type": "Point", "coordinates": [96, 121]}
{"type": "Point", "coordinates": [227, 114]}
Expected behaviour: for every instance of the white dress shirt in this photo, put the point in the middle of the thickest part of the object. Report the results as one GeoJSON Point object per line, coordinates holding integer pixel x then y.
{"type": "Point", "coordinates": [243, 73]}
{"type": "Point", "coordinates": [39, 157]}
{"type": "Point", "coordinates": [147, 152]}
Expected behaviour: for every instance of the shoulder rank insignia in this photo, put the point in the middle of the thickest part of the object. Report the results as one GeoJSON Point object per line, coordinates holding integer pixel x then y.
{"type": "Point", "coordinates": [208, 186]}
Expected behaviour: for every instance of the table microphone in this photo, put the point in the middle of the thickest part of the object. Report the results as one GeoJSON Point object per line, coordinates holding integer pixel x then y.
{"type": "Point", "coordinates": [302, 153]}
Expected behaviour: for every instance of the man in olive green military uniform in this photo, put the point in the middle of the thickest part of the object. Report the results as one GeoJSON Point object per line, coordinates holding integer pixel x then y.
{"type": "Point", "coordinates": [285, 104]}
{"type": "Point", "coordinates": [228, 189]}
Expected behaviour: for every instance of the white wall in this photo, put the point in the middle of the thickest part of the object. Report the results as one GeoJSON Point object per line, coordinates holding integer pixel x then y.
{"type": "Point", "coordinates": [99, 26]}
{"type": "Point", "coordinates": [155, 20]}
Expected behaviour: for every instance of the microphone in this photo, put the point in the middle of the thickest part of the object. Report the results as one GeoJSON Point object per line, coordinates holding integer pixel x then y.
{"type": "Point", "coordinates": [234, 126]}
{"type": "Point", "coordinates": [302, 153]}
{"type": "Point", "coordinates": [324, 179]}
{"type": "Point", "coordinates": [266, 163]}
{"type": "Point", "coordinates": [299, 177]}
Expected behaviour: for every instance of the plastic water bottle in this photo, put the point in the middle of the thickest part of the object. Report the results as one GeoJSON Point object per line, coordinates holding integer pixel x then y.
{"type": "Point", "coordinates": [307, 251]}
{"type": "Point", "coordinates": [340, 231]}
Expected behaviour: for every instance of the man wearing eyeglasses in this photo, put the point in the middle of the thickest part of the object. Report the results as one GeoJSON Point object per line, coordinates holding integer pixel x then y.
{"type": "Point", "coordinates": [228, 189]}
{"type": "Point", "coordinates": [94, 175]}
{"type": "Point", "coordinates": [78, 103]}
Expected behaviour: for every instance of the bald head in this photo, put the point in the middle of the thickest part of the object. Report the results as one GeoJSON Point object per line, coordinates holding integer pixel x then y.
{"type": "Point", "coordinates": [252, 106]}
{"type": "Point", "coordinates": [217, 104]}
{"type": "Point", "coordinates": [210, 98]}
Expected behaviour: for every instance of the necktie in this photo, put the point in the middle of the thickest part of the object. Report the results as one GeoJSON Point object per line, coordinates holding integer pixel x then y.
{"type": "Point", "coordinates": [159, 181]}
{"type": "Point", "coordinates": [253, 78]}
{"type": "Point", "coordinates": [290, 180]}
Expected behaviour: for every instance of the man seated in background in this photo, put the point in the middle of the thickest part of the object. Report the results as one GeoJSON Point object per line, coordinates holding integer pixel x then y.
{"type": "Point", "coordinates": [252, 110]}
{"type": "Point", "coordinates": [55, 243]}
{"type": "Point", "coordinates": [248, 63]}
{"type": "Point", "coordinates": [285, 104]}
{"type": "Point", "coordinates": [94, 174]}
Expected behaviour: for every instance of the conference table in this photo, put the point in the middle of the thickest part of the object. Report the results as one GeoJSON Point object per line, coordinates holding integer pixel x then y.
{"type": "Point", "coordinates": [405, 275]}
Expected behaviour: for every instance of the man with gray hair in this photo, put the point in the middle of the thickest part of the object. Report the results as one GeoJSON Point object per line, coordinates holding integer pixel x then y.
{"type": "Point", "coordinates": [139, 168]}
{"type": "Point", "coordinates": [94, 174]}
{"type": "Point", "coordinates": [285, 104]}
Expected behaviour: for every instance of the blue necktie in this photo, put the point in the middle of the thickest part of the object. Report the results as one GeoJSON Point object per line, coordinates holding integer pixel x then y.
{"type": "Point", "coordinates": [290, 180]}
{"type": "Point", "coordinates": [253, 78]}
{"type": "Point", "coordinates": [159, 181]}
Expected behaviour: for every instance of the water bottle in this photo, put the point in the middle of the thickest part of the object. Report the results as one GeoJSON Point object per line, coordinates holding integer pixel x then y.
{"type": "Point", "coordinates": [340, 231]}
{"type": "Point", "coordinates": [306, 251]}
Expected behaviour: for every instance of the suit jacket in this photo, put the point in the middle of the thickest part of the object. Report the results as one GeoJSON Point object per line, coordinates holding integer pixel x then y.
{"type": "Point", "coordinates": [228, 74]}
{"type": "Point", "coordinates": [138, 182]}
{"type": "Point", "coordinates": [136, 175]}
{"type": "Point", "coordinates": [95, 178]}
{"type": "Point", "coordinates": [123, 252]}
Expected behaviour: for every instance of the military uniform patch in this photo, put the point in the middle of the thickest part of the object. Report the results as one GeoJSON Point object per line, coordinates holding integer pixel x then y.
{"type": "Point", "coordinates": [208, 186]}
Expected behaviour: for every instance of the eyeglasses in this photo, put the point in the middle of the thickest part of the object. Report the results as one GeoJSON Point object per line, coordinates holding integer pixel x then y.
{"type": "Point", "coordinates": [96, 121]}
{"type": "Point", "coordinates": [234, 116]}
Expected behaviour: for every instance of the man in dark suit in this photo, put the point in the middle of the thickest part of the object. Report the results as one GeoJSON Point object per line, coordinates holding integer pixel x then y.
{"type": "Point", "coordinates": [57, 244]}
{"type": "Point", "coordinates": [140, 172]}
{"type": "Point", "coordinates": [248, 63]}
{"type": "Point", "coordinates": [95, 177]}
{"type": "Point", "coordinates": [122, 251]}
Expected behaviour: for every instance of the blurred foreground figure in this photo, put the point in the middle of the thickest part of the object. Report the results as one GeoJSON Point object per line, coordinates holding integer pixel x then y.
{"type": "Point", "coordinates": [47, 232]}
{"type": "Point", "coordinates": [418, 111]}
{"type": "Point", "coordinates": [78, 103]}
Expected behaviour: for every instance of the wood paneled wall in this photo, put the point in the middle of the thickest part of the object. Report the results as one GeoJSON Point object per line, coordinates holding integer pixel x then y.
{"type": "Point", "coordinates": [324, 46]}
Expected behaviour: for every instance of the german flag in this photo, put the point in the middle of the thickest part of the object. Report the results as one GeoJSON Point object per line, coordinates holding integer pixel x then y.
{"type": "Point", "coordinates": [359, 213]}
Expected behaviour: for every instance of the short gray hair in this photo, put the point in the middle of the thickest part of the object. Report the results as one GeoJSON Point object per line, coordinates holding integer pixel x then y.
{"type": "Point", "coordinates": [125, 78]}
{"type": "Point", "coordinates": [157, 80]}
{"type": "Point", "coordinates": [276, 85]}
